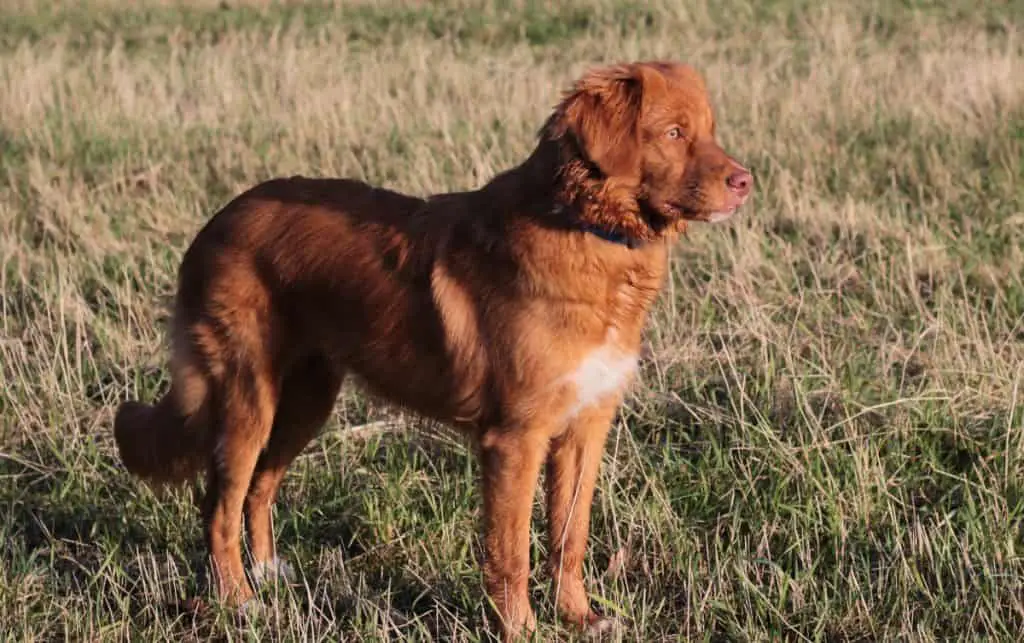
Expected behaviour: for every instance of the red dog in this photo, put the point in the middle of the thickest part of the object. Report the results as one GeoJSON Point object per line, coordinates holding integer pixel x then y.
{"type": "Point", "coordinates": [513, 312]}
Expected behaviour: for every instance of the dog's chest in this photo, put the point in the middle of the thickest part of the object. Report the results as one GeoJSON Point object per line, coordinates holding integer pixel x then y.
{"type": "Point", "coordinates": [605, 370]}
{"type": "Point", "coordinates": [602, 372]}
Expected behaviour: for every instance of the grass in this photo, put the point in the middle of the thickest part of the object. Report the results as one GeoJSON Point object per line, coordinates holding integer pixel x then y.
{"type": "Point", "coordinates": [825, 443]}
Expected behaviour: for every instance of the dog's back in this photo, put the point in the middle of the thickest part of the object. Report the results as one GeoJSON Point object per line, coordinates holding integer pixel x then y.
{"type": "Point", "coordinates": [296, 269]}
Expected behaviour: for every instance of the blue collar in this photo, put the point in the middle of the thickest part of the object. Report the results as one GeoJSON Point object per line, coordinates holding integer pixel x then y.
{"type": "Point", "coordinates": [614, 237]}
{"type": "Point", "coordinates": [607, 235]}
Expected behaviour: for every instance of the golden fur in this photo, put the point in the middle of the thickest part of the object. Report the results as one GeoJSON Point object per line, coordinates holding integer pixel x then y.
{"type": "Point", "coordinates": [513, 312]}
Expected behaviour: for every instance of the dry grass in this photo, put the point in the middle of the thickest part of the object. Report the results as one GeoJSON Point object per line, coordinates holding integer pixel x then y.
{"type": "Point", "coordinates": [826, 443]}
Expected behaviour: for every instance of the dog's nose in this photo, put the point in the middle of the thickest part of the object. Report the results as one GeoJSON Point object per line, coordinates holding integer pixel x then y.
{"type": "Point", "coordinates": [740, 182]}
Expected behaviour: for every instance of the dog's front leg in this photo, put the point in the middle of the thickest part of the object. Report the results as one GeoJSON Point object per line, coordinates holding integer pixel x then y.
{"type": "Point", "coordinates": [510, 462]}
{"type": "Point", "coordinates": [572, 468]}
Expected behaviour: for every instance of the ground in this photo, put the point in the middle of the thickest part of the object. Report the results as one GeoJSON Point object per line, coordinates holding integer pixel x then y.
{"type": "Point", "coordinates": [826, 439]}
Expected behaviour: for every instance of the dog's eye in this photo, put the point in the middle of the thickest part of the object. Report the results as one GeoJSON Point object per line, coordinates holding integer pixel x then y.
{"type": "Point", "coordinates": [675, 133]}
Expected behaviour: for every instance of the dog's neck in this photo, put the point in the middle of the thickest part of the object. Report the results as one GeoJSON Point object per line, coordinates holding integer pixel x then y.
{"type": "Point", "coordinates": [599, 204]}
{"type": "Point", "coordinates": [589, 201]}
{"type": "Point", "coordinates": [563, 211]}
{"type": "Point", "coordinates": [613, 237]}
{"type": "Point", "coordinates": [561, 186]}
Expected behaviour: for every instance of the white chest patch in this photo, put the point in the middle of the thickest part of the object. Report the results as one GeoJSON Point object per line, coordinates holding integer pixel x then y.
{"type": "Point", "coordinates": [604, 371]}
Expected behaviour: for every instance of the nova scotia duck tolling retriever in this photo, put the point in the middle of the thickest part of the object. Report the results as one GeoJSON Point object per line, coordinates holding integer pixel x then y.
{"type": "Point", "coordinates": [512, 312]}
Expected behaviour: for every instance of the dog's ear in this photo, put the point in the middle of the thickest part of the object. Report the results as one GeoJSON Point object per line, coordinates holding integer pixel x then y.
{"type": "Point", "coordinates": [602, 112]}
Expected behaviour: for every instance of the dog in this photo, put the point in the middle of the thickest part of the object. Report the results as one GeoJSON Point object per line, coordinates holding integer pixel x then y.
{"type": "Point", "coordinates": [512, 312]}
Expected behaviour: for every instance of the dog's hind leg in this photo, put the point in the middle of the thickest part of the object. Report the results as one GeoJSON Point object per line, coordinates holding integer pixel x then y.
{"type": "Point", "coordinates": [307, 397]}
{"type": "Point", "coordinates": [246, 405]}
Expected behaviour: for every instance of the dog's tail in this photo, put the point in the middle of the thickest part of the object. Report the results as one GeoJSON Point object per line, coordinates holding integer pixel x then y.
{"type": "Point", "coordinates": [167, 443]}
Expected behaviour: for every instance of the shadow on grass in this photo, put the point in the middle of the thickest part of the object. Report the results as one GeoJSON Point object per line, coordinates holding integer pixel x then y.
{"type": "Point", "coordinates": [74, 511]}
{"type": "Point", "coordinates": [394, 496]}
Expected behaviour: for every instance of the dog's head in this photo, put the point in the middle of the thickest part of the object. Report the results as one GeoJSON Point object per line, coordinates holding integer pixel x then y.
{"type": "Point", "coordinates": [639, 150]}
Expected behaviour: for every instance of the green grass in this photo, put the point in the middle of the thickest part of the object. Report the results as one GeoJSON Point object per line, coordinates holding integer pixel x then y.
{"type": "Point", "coordinates": [144, 27]}
{"type": "Point", "coordinates": [826, 439]}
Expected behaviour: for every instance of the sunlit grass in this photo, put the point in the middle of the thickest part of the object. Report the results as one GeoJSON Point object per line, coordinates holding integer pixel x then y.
{"type": "Point", "coordinates": [826, 442]}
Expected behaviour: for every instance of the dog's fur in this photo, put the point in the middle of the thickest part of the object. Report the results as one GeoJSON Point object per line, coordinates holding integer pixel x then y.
{"type": "Point", "coordinates": [513, 312]}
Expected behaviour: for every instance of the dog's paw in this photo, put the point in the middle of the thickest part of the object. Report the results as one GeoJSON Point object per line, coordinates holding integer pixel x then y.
{"type": "Point", "coordinates": [250, 609]}
{"type": "Point", "coordinates": [193, 605]}
{"type": "Point", "coordinates": [273, 570]}
{"type": "Point", "coordinates": [601, 627]}
{"type": "Point", "coordinates": [198, 607]}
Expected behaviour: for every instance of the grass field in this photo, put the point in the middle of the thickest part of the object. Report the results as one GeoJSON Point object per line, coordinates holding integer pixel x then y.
{"type": "Point", "coordinates": [826, 442]}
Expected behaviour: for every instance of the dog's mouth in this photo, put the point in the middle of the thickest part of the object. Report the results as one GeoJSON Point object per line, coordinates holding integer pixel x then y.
{"type": "Point", "coordinates": [660, 216]}
{"type": "Point", "coordinates": [715, 216]}
{"type": "Point", "coordinates": [706, 214]}
{"type": "Point", "coordinates": [720, 215]}
{"type": "Point", "coordinates": [675, 212]}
